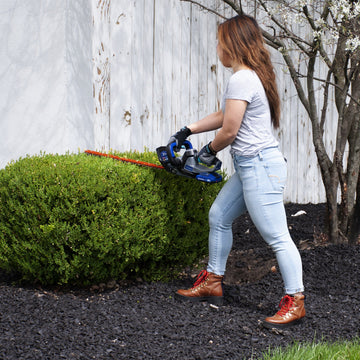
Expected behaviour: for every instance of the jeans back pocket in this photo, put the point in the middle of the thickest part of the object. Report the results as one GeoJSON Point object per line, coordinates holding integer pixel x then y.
{"type": "Point", "coordinates": [277, 174]}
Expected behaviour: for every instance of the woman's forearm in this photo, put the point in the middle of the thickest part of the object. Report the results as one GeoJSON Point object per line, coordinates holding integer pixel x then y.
{"type": "Point", "coordinates": [211, 122]}
{"type": "Point", "coordinates": [222, 140]}
{"type": "Point", "coordinates": [234, 110]}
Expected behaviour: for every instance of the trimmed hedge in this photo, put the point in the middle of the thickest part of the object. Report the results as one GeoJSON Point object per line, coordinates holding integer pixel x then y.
{"type": "Point", "coordinates": [77, 219]}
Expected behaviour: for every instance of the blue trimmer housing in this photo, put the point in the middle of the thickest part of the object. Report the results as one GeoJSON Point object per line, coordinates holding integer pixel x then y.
{"type": "Point", "coordinates": [188, 164]}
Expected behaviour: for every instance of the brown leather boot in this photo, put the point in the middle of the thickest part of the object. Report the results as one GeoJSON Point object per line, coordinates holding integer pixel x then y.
{"type": "Point", "coordinates": [207, 287]}
{"type": "Point", "coordinates": [291, 311]}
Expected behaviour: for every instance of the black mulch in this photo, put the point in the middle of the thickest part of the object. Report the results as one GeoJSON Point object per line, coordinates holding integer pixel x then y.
{"type": "Point", "coordinates": [144, 321]}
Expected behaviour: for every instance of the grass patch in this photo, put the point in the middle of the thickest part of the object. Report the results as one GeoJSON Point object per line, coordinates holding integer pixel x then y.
{"type": "Point", "coordinates": [339, 350]}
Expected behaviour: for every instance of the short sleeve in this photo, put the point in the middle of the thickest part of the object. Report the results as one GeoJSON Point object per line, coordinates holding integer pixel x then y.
{"type": "Point", "coordinates": [241, 87]}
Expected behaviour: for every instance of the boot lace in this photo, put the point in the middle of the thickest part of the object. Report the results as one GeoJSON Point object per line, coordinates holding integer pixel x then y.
{"type": "Point", "coordinates": [200, 278]}
{"type": "Point", "coordinates": [285, 305]}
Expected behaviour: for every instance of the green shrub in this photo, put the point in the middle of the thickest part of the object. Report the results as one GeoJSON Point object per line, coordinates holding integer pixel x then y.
{"type": "Point", "coordinates": [80, 219]}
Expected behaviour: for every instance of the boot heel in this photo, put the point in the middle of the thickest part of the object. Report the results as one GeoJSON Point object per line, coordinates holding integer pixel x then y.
{"type": "Point", "coordinates": [207, 287]}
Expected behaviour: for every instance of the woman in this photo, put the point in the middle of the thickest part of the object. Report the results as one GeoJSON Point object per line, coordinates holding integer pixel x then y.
{"type": "Point", "coordinates": [249, 108]}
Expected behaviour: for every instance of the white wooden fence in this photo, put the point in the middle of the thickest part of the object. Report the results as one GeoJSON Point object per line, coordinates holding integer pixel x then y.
{"type": "Point", "coordinates": [120, 74]}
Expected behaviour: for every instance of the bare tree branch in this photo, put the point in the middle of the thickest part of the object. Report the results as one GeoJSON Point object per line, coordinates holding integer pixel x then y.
{"type": "Point", "coordinates": [327, 82]}
{"type": "Point", "coordinates": [287, 33]}
{"type": "Point", "coordinates": [205, 8]}
{"type": "Point", "coordinates": [326, 100]}
{"type": "Point", "coordinates": [311, 22]}
{"type": "Point", "coordinates": [237, 9]}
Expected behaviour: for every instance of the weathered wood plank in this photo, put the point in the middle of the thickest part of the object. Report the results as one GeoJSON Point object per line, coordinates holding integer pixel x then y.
{"type": "Point", "coordinates": [121, 59]}
{"type": "Point", "coordinates": [101, 73]}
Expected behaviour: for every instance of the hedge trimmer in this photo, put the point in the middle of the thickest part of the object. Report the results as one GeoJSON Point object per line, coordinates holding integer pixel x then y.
{"type": "Point", "coordinates": [186, 165]}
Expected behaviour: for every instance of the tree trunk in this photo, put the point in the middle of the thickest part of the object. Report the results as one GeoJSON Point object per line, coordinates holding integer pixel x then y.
{"type": "Point", "coordinates": [350, 187]}
{"type": "Point", "coordinates": [331, 184]}
{"type": "Point", "coordinates": [354, 236]}
{"type": "Point", "coordinates": [349, 133]}
{"type": "Point", "coordinates": [332, 222]}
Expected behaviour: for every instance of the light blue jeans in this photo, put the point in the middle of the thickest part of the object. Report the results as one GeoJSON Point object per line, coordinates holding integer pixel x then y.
{"type": "Point", "coordinates": [257, 186]}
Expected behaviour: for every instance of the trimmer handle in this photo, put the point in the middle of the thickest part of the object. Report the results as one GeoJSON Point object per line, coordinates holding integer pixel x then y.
{"type": "Point", "coordinates": [170, 149]}
{"type": "Point", "coordinates": [217, 164]}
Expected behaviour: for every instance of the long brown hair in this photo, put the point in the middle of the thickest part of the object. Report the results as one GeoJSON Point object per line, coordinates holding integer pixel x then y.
{"type": "Point", "coordinates": [241, 39]}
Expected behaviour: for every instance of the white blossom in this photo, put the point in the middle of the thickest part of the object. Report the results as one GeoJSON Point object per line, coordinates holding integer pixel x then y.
{"type": "Point", "coordinates": [317, 34]}
{"type": "Point", "coordinates": [344, 9]}
{"type": "Point", "coordinates": [298, 18]}
{"type": "Point", "coordinates": [353, 43]}
{"type": "Point", "coordinates": [320, 23]}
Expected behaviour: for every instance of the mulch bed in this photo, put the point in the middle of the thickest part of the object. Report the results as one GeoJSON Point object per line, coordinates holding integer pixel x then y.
{"type": "Point", "coordinates": [144, 321]}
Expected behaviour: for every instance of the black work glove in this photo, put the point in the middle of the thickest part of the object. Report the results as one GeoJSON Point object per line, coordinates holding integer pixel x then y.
{"type": "Point", "coordinates": [179, 138]}
{"type": "Point", "coordinates": [207, 155]}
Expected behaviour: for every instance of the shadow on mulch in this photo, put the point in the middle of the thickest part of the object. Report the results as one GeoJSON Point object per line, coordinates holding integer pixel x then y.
{"type": "Point", "coordinates": [143, 321]}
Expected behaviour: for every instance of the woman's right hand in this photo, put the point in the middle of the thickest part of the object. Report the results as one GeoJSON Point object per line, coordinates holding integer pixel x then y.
{"type": "Point", "coordinates": [179, 138]}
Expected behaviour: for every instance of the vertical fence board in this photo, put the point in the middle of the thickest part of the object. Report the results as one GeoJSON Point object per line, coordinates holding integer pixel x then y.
{"type": "Point", "coordinates": [121, 58]}
{"type": "Point", "coordinates": [147, 86]}
{"type": "Point", "coordinates": [158, 60]}
{"type": "Point", "coordinates": [137, 73]}
{"type": "Point", "coordinates": [185, 58]}
{"type": "Point", "coordinates": [101, 73]}
{"type": "Point", "coordinates": [194, 64]}
{"type": "Point", "coordinates": [167, 68]}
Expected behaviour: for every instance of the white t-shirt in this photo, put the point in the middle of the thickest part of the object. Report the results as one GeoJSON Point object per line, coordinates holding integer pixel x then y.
{"type": "Point", "coordinates": [255, 133]}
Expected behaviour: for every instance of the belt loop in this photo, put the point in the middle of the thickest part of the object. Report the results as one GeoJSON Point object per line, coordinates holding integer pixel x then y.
{"type": "Point", "coordinates": [260, 155]}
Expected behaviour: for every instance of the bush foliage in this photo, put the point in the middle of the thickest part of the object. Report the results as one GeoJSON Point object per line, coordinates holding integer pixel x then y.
{"type": "Point", "coordinates": [78, 219]}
